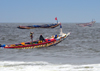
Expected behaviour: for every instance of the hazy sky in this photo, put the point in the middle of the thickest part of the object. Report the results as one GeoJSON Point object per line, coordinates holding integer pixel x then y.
{"type": "Point", "coordinates": [45, 11]}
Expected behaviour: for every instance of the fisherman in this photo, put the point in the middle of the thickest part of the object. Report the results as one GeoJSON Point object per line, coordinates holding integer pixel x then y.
{"type": "Point", "coordinates": [41, 38]}
{"type": "Point", "coordinates": [31, 36]}
{"type": "Point", "coordinates": [61, 29]}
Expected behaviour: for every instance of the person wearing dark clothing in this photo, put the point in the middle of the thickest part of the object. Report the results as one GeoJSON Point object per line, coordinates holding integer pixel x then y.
{"type": "Point", "coordinates": [41, 38]}
{"type": "Point", "coordinates": [31, 36]}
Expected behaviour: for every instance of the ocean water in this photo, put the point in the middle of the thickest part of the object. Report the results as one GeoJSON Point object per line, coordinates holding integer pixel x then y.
{"type": "Point", "coordinates": [80, 51]}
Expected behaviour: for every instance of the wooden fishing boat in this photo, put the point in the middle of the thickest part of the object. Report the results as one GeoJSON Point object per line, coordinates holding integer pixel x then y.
{"type": "Point", "coordinates": [53, 40]}
{"type": "Point", "coordinates": [37, 44]}
{"type": "Point", "coordinates": [39, 26]}
{"type": "Point", "coordinates": [86, 24]}
{"type": "Point", "coordinates": [53, 25]}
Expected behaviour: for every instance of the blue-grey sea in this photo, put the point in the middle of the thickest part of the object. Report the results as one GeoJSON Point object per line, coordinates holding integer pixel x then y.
{"type": "Point", "coordinates": [80, 51]}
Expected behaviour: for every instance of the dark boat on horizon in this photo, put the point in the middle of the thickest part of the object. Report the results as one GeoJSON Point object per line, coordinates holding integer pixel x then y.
{"type": "Point", "coordinates": [39, 26]}
{"type": "Point", "coordinates": [53, 25]}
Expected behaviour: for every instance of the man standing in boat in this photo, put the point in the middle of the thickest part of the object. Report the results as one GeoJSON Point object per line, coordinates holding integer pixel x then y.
{"type": "Point", "coordinates": [61, 29]}
{"type": "Point", "coordinates": [31, 36]}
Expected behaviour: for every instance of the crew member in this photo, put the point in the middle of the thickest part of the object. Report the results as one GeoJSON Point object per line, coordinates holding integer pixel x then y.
{"type": "Point", "coordinates": [41, 38]}
{"type": "Point", "coordinates": [31, 36]}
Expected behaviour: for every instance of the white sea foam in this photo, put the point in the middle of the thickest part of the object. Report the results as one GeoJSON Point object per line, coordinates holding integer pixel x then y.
{"type": "Point", "coordinates": [45, 66]}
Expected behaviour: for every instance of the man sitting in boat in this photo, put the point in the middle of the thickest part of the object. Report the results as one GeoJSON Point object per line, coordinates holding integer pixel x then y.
{"type": "Point", "coordinates": [41, 38]}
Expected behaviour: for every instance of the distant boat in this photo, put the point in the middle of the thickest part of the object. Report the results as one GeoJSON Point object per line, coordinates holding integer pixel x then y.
{"type": "Point", "coordinates": [53, 25]}
{"type": "Point", "coordinates": [86, 24]}
{"type": "Point", "coordinates": [39, 26]}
